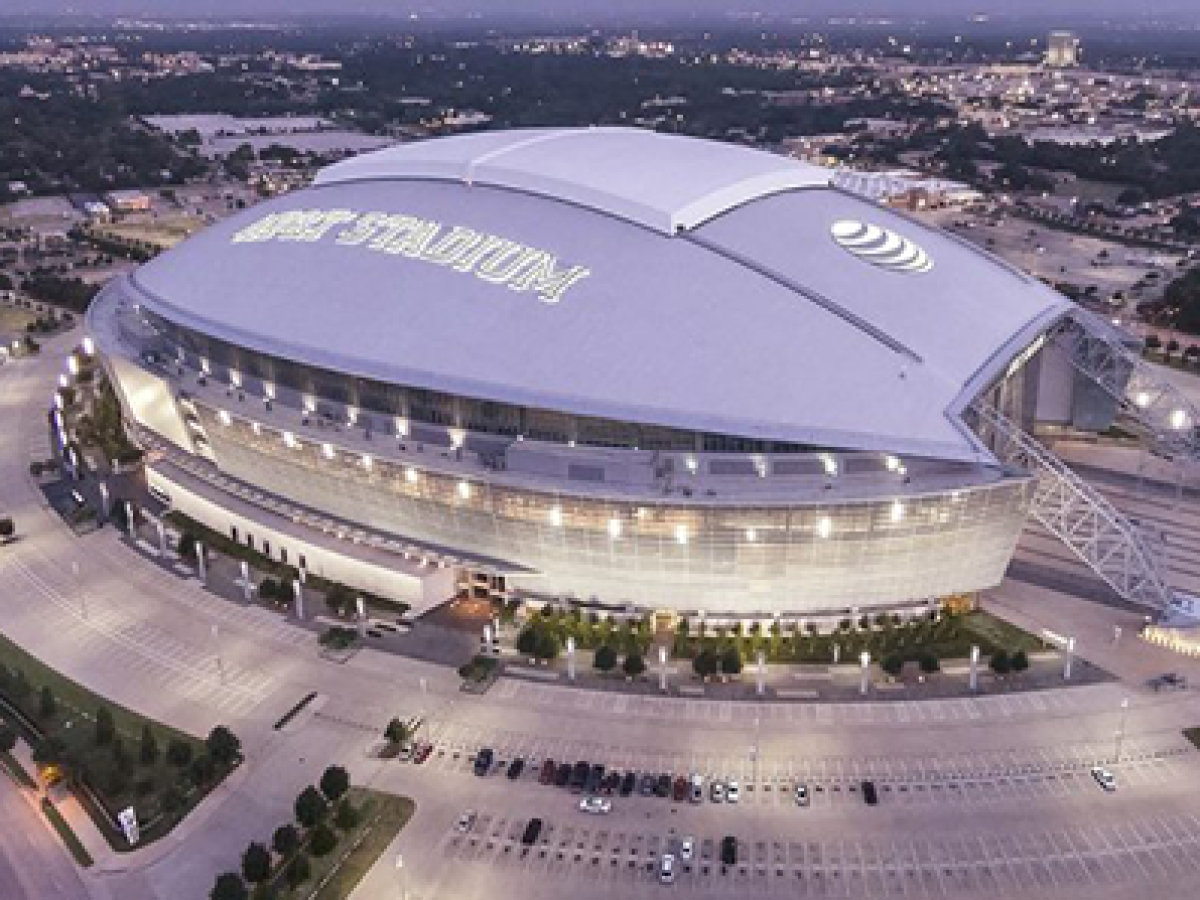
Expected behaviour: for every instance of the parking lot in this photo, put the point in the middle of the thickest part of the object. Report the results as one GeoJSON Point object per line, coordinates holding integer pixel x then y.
{"type": "Point", "coordinates": [1144, 850]}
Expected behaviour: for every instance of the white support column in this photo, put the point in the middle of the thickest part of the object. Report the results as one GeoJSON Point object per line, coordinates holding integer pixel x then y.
{"type": "Point", "coordinates": [662, 668]}
{"type": "Point", "coordinates": [104, 502]}
{"type": "Point", "coordinates": [201, 563]}
{"type": "Point", "coordinates": [362, 618]}
{"type": "Point", "coordinates": [162, 538]}
{"type": "Point", "coordinates": [974, 668]}
{"type": "Point", "coordinates": [298, 590]}
{"type": "Point", "coordinates": [570, 658]}
{"type": "Point", "coordinates": [761, 673]}
{"type": "Point", "coordinates": [865, 661]}
{"type": "Point", "coordinates": [1069, 659]}
{"type": "Point", "coordinates": [246, 581]}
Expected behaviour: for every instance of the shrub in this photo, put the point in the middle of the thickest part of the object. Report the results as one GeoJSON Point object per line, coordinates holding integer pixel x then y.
{"type": "Point", "coordinates": [634, 665]}
{"type": "Point", "coordinates": [347, 815]}
{"type": "Point", "coordinates": [929, 663]}
{"type": "Point", "coordinates": [731, 661]}
{"type": "Point", "coordinates": [256, 863]}
{"type": "Point", "coordinates": [893, 664]}
{"type": "Point", "coordinates": [202, 770]}
{"type": "Point", "coordinates": [1000, 663]}
{"type": "Point", "coordinates": [7, 528]}
{"type": "Point", "coordinates": [339, 599]}
{"type": "Point", "coordinates": [335, 781]}
{"type": "Point", "coordinates": [286, 840]}
{"type": "Point", "coordinates": [606, 658]}
{"type": "Point", "coordinates": [47, 704]}
{"type": "Point", "coordinates": [705, 663]}
{"type": "Point", "coordinates": [268, 589]}
{"type": "Point", "coordinates": [148, 746]}
{"type": "Point", "coordinates": [298, 871]}
{"type": "Point", "coordinates": [310, 807]}
{"type": "Point", "coordinates": [1019, 661]}
{"type": "Point", "coordinates": [186, 548]}
{"type": "Point", "coordinates": [396, 731]}
{"type": "Point", "coordinates": [323, 840]}
{"type": "Point", "coordinates": [223, 746]}
{"type": "Point", "coordinates": [229, 887]}
{"type": "Point", "coordinates": [179, 752]}
{"type": "Point", "coordinates": [105, 729]}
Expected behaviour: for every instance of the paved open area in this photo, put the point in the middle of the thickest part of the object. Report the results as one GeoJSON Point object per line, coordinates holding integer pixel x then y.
{"type": "Point", "coordinates": [978, 796]}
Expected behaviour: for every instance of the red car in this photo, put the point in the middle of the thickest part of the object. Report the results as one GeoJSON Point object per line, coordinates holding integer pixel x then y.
{"type": "Point", "coordinates": [422, 753]}
{"type": "Point", "coordinates": [679, 792]}
{"type": "Point", "coordinates": [548, 773]}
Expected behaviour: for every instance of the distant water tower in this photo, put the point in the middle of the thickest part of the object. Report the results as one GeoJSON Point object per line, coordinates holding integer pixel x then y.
{"type": "Point", "coordinates": [1063, 49]}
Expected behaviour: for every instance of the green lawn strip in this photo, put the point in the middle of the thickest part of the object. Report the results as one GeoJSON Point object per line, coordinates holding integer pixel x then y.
{"type": "Point", "coordinates": [335, 875]}
{"type": "Point", "coordinates": [1193, 735]}
{"type": "Point", "coordinates": [17, 771]}
{"type": "Point", "coordinates": [74, 725]}
{"type": "Point", "coordinates": [68, 837]}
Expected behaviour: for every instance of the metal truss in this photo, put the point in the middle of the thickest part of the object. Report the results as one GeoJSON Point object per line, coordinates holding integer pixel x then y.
{"type": "Point", "coordinates": [1068, 507]}
{"type": "Point", "coordinates": [1161, 410]}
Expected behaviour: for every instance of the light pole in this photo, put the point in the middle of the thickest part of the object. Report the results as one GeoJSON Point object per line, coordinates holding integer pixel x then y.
{"type": "Point", "coordinates": [402, 876]}
{"type": "Point", "coordinates": [865, 660]}
{"type": "Point", "coordinates": [1120, 736]}
{"type": "Point", "coordinates": [216, 635]}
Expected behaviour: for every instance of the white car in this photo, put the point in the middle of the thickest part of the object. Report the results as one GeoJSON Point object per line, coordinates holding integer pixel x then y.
{"type": "Point", "coordinates": [801, 794]}
{"type": "Point", "coordinates": [406, 753]}
{"type": "Point", "coordinates": [466, 821]}
{"type": "Point", "coordinates": [716, 791]}
{"type": "Point", "coordinates": [687, 848]}
{"type": "Point", "coordinates": [733, 793]}
{"type": "Point", "coordinates": [666, 869]}
{"type": "Point", "coordinates": [1104, 778]}
{"type": "Point", "coordinates": [597, 806]}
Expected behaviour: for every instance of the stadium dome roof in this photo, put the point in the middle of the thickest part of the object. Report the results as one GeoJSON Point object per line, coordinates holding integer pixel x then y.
{"type": "Point", "coordinates": [618, 273]}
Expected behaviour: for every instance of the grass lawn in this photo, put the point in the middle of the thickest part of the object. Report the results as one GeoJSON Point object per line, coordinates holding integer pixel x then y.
{"type": "Point", "coordinates": [1193, 735]}
{"type": "Point", "coordinates": [339, 872]}
{"type": "Point", "coordinates": [161, 792]}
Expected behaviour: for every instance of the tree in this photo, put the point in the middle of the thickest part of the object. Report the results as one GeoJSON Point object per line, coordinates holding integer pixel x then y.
{"type": "Point", "coordinates": [929, 663]}
{"type": "Point", "coordinates": [1000, 663]}
{"type": "Point", "coordinates": [268, 589]}
{"type": "Point", "coordinates": [323, 840]}
{"type": "Point", "coordinates": [606, 658]}
{"type": "Point", "coordinates": [179, 752]}
{"type": "Point", "coordinates": [47, 704]}
{"type": "Point", "coordinates": [547, 646]}
{"type": "Point", "coordinates": [310, 807]}
{"type": "Point", "coordinates": [893, 664]}
{"type": "Point", "coordinates": [8, 738]}
{"type": "Point", "coordinates": [527, 642]}
{"type": "Point", "coordinates": [1019, 662]}
{"type": "Point", "coordinates": [148, 746]}
{"type": "Point", "coordinates": [229, 886]}
{"type": "Point", "coordinates": [705, 664]}
{"type": "Point", "coordinates": [223, 746]}
{"type": "Point", "coordinates": [105, 729]}
{"type": "Point", "coordinates": [286, 840]}
{"type": "Point", "coordinates": [335, 781]}
{"type": "Point", "coordinates": [256, 863]}
{"type": "Point", "coordinates": [186, 548]}
{"type": "Point", "coordinates": [7, 528]}
{"type": "Point", "coordinates": [396, 732]}
{"type": "Point", "coordinates": [731, 661]}
{"type": "Point", "coordinates": [634, 665]}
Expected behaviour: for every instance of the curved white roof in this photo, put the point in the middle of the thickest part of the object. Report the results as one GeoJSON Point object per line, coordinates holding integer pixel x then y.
{"type": "Point", "coordinates": [621, 274]}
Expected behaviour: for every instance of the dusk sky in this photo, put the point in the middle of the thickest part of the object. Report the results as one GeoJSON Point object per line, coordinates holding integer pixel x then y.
{"type": "Point", "coordinates": [1040, 9]}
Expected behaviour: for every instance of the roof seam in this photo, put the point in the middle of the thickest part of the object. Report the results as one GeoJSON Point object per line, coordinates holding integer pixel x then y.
{"type": "Point", "coordinates": [484, 158]}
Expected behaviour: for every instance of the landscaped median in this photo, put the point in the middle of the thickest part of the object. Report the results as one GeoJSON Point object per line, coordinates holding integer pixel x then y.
{"type": "Point", "coordinates": [338, 834]}
{"type": "Point", "coordinates": [110, 757]}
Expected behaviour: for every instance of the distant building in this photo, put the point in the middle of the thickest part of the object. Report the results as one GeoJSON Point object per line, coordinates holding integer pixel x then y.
{"type": "Point", "coordinates": [128, 201]}
{"type": "Point", "coordinates": [1063, 49]}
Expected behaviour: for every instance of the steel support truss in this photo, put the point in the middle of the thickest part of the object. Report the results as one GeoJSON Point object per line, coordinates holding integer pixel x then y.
{"type": "Point", "coordinates": [1077, 514]}
{"type": "Point", "coordinates": [1168, 418]}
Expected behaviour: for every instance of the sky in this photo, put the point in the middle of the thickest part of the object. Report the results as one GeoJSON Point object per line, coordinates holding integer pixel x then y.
{"type": "Point", "coordinates": [577, 9]}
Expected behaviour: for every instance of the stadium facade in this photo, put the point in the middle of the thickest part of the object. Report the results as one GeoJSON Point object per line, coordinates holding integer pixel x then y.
{"type": "Point", "coordinates": [619, 368]}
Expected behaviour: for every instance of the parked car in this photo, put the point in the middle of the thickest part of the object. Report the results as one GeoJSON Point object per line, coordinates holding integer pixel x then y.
{"type": "Point", "coordinates": [869, 794]}
{"type": "Point", "coordinates": [646, 784]}
{"type": "Point", "coordinates": [733, 791]}
{"type": "Point", "coordinates": [628, 784]}
{"type": "Point", "coordinates": [562, 777]}
{"type": "Point", "coordinates": [1104, 778]}
{"type": "Point", "coordinates": [595, 805]}
{"type": "Point", "coordinates": [532, 830]}
{"type": "Point", "coordinates": [729, 850]}
{"type": "Point", "coordinates": [407, 752]}
{"type": "Point", "coordinates": [687, 847]}
{"type": "Point", "coordinates": [662, 787]}
{"type": "Point", "coordinates": [466, 821]}
{"type": "Point", "coordinates": [515, 768]}
{"type": "Point", "coordinates": [666, 869]}
{"type": "Point", "coordinates": [594, 779]}
{"type": "Point", "coordinates": [579, 776]}
{"type": "Point", "coordinates": [611, 782]}
{"type": "Point", "coordinates": [679, 791]}
{"type": "Point", "coordinates": [716, 791]}
{"type": "Point", "coordinates": [483, 761]}
{"type": "Point", "coordinates": [801, 794]}
{"type": "Point", "coordinates": [696, 789]}
{"type": "Point", "coordinates": [548, 772]}
{"type": "Point", "coordinates": [422, 753]}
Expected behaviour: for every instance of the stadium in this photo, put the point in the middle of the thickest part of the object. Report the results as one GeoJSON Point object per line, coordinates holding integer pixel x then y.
{"type": "Point", "coordinates": [627, 370]}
